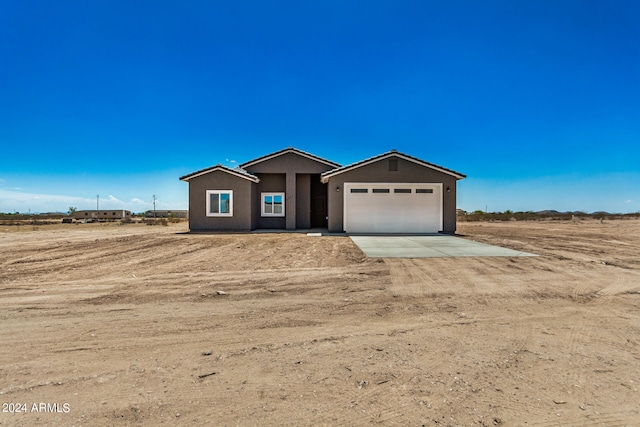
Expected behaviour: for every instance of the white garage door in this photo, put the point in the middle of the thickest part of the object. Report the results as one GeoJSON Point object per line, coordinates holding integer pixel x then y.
{"type": "Point", "coordinates": [392, 208]}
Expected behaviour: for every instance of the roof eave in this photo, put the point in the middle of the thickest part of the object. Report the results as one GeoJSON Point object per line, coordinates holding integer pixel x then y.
{"type": "Point", "coordinates": [324, 178]}
{"type": "Point", "coordinates": [220, 168]}
{"type": "Point", "coordinates": [290, 150]}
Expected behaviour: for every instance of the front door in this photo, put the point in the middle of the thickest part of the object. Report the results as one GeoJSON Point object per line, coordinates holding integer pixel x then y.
{"type": "Point", "coordinates": [318, 212]}
{"type": "Point", "coordinates": [318, 203]}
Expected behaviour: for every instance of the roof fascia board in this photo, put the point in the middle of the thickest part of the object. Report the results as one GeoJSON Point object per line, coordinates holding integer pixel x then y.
{"type": "Point", "coordinates": [222, 169]}
{"type": "Point", "coordinates": [325, 176]}
{"type": "Point", "coordinates": [286, 151]}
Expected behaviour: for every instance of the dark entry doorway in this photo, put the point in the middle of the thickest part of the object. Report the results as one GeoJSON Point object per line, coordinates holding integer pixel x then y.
{"type": "Point", "coordinates": [318, 202]}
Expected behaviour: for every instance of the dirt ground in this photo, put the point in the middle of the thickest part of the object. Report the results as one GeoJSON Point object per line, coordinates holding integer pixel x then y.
{"type": "Point", "coordinates": [130, 324]}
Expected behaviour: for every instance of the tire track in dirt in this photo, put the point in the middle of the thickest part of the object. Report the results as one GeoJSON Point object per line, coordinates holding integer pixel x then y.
{"type": "Point", "coordinates": [96, 255]}
{"type": "Point", "coordinates": [584, 292]}
{"type": "Point", "coordinates": [381, 398]}
{"type": "Point", "coordinates": [369, 384]}
{"type": "Point", "coordinates": [409, 279]}
{"type": "Point", "coordinates": [592, 418]}
{"type": "Point", "coordinates": [619, 287]}
{"type": "Point", "coordinates": [474, 277]}
{"type": "Point", "coordinates": [425, 277]}
{"type": "Point", "coordinates": [575, 383]}
{"type": "Point", "coordinates": [588, 331]}
{"type": "Point", "coordinates": [293, 379]}
{"type": "Point", "coordinates": [522, 333]}
{"type": "Point", "coordinates": [504, 389]}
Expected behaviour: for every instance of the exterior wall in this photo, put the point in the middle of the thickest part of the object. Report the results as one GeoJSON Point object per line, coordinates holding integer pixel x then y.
{"type": "Point", "coordinates": [269, 182]}
{"type": "Point", "coordinates": [218, 180]}
{"type": "Point", "coordinates": [255, 201]}
{"type": "Point", "coordinates": [408, 172]}
{"type": "Point", "coordinates": [303, 201]}
{"type": "Point", "coordinates": [289, 164]}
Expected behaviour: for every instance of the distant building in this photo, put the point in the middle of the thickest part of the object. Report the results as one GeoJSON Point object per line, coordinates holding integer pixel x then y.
{"type": "Point", "coordinates": [101, 215]}
{"type": "Point", "coordinates": [166, 214]}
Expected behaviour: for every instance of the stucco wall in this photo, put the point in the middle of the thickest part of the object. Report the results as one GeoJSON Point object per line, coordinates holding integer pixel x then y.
{"type": "Point", "coordinates": [289, 164]}
{"type": "Point", "coordinates": [218, 180]}
{"type": "Point", "coordinates": [303, 201]}
{"type": "Point", "coordinates": [408, 172]}
{"type": "Point", "coordinates": [269, 182]}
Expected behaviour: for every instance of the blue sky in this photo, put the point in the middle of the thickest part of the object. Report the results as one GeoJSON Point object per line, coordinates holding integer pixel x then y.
{"type": "Point", "coordinates": [537, 102]}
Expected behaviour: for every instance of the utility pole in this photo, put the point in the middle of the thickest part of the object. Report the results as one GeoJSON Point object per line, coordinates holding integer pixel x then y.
{"type": "Point", "coordinates": [97, 203]}
{"type": "Point", "coordinates": [154, 206]}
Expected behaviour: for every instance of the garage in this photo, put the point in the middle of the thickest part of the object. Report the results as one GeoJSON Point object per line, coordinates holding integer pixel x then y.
{"type": "Point", "coordinates": [392, 207]}
{"type": "Point", "coordinates": [391, 193]}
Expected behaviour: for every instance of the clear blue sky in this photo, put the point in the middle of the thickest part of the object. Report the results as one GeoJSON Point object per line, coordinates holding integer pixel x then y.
{"type": "Point", "coordinates": [537, 102]}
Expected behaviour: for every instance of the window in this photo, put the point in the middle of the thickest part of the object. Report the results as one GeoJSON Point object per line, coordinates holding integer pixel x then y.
{"type": "Point", "coordinates": [424, 190]}
{"type": "Point", "coordinates": [272, 204]}
{"type": "Point", "coordinates": [359, 190]}
{"type": "Point", "coordinates": [380, 190]}
{"type": "Point", "coordinates": [219, 202]}
{"type": "Point", "coordinates": [402, 190]}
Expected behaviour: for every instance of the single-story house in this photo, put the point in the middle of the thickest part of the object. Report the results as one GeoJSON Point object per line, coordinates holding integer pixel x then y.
{"type": "Point", "coordinates": [292, 189]}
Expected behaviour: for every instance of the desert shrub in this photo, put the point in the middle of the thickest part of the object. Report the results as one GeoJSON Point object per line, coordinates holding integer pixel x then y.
{"type": "Point", "coordinates": [152, 221]}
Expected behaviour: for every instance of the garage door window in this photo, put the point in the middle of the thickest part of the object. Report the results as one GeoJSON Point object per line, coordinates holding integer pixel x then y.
{"type": "Point", "coordinates": [402, 190]}
{"type": "Point", "coordinates": [380, 190]}
{"type": "Point", "coordinates": [272, 204]}
{"type": "Point", "coordinates": [219, 202]}
{"type": "Point", "coordinates": [424, 190]}
{"type": "Point", "coordinates": [359, 190]}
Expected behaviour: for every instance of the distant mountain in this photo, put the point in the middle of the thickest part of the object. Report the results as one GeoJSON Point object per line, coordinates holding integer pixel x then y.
{"type": "Point", "coordinates": [550, 212]}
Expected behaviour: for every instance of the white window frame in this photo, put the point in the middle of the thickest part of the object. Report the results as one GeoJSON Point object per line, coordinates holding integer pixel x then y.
{"type": "Point", "coordinates": [263, 204]}
{"type": "Point", "coordinates": [219, 192]}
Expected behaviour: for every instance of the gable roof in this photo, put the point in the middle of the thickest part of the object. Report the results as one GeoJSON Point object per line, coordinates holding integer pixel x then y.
{"type": "Point", "coordinates": [393, 153]}
{"type": "Point", "coordinates": [236, 171]}
{"type": "Point", "coordinates": [290, 150]}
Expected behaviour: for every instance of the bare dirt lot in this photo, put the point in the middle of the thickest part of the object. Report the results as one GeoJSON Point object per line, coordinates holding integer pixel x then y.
{"type": "Point", "coordinates": [130, 324]}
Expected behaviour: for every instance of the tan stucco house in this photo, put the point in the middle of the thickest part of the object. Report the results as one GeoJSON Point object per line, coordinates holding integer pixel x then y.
{"type": "Point", "coordinates": [292, 189]}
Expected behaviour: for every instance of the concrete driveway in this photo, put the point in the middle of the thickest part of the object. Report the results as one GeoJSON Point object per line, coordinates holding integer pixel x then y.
{"type": "Point", "coordinates": [428, 247]}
